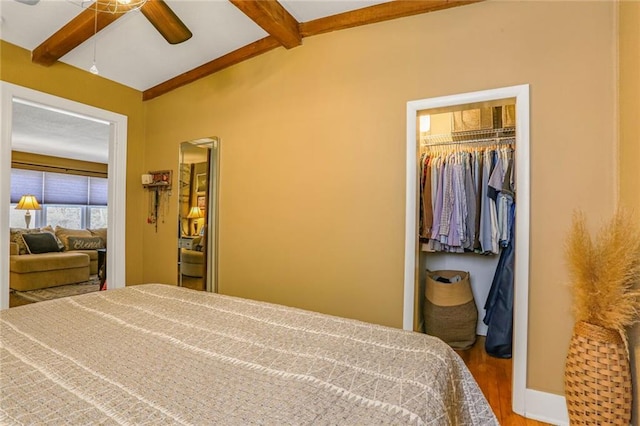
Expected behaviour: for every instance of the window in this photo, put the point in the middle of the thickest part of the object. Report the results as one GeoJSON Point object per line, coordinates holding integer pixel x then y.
{"type": "Point", "coordinates": [97, 217]}
{"type": "Point", "coordinates": [68, 201]}
{"type": "Point", "coordinates": [63, 216]}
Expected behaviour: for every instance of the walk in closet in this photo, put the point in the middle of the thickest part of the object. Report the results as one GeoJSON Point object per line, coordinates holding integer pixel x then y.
{"type": "Point", "coordinates": [440, 133]}
{"type": "Point", "coordinates": [467, 199]}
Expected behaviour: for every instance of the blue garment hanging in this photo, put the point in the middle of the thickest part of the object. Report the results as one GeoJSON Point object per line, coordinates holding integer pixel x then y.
{"type": "Point", "coordinates": [499, 304]}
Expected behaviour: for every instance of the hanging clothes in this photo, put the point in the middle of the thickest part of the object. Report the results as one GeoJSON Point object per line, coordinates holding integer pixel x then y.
{"type": "Point", "coordinates": [467, 204]}
{"type": "Point", "coordinates": [465, 195]}
{"type": "Point", "coordinates": [426, 212]}
{"type": "Point", "coordinates": [499, 304]}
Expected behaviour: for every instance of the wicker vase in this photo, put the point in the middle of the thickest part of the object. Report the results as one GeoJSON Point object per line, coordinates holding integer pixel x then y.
{"type": "Point", "coordinates": [597, 377]}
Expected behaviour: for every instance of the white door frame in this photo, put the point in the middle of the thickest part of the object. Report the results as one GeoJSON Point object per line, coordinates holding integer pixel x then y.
{"type": "Point", "coordinates": [116, 171]}
{"type": "Point", "coordinates": [521, 304]}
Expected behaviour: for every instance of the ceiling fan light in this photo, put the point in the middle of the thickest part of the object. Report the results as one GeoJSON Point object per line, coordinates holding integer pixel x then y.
{"type": "Point", "coordinates": [109, 6]}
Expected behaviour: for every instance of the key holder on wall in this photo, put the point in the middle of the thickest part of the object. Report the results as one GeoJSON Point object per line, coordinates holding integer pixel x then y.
{"type": "Point", "coordinates": [159, 185]}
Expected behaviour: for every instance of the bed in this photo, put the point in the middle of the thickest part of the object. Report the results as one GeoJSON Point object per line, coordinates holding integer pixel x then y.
{"type": "Point", "coordinates": [159, 354]}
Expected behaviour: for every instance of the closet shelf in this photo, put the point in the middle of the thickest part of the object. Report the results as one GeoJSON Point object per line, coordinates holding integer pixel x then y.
{"type": "Point", "coordinates": [470, 136]}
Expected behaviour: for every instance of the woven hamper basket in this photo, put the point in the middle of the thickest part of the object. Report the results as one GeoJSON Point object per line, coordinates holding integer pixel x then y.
{"type": "Point", "coordinates": [450, 311]}
{"type": "Point", "coordinates": [597, 377]}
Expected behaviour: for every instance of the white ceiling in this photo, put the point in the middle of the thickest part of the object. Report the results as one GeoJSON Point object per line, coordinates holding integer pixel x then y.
{"type": "Point", "coordinates": [131, 52]}
{"type": "Point", "coordinates": [40, 130]}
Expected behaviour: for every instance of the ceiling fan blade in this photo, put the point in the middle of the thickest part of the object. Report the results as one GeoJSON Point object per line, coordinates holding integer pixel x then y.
{"type": "Point", "coordinates": [166, 21]}
{"type": "Point", "coordinates": [29, 2]}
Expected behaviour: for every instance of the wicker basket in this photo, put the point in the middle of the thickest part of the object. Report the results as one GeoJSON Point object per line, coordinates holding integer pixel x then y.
{"type": "Point", "coordinates": [597, 377]}
{"type": "Point", "coordinates": [449, 310]}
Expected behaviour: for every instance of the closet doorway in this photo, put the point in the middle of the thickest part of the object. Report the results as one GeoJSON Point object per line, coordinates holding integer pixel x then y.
{"type": "Point", "coordinates": [414, 275]}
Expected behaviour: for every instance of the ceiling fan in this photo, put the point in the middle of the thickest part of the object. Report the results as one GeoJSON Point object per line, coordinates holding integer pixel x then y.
{"type": "Point", "coordinates": [88, 22]}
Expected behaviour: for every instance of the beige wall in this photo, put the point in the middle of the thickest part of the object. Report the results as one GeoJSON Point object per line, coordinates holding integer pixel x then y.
{"type": "Point", "coordinates": [630, 104]}
{"type": "Point", "coordinates": [313, 139]}
{"type": "Point", "coordinates": [630, 141]}
{"type": "Point", "coordinates": [80, 86]}
{"type": "Point", "coordinates": [312, 180]}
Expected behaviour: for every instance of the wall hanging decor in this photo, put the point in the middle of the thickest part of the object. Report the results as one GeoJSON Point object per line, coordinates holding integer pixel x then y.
{"type": "Point", "coordinates": [159, 185]}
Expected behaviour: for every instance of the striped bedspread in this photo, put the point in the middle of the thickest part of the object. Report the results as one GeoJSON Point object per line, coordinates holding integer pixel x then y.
{"type": "Point", "coordinates": [158, 354]}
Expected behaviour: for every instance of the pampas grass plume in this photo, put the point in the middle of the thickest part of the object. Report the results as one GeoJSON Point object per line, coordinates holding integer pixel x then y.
{"type": "Point", "coordinates": [603, 271]}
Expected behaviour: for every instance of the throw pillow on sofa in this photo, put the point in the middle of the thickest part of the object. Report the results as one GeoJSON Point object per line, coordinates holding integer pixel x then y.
{"type": "Point", "coordinates": [43, 242]}
{"type": "Point", "coordinates": [84, 243]}
{"type": "Point", "coordinates": [15, 236]}
{"type": "Point", "coordinates": [64, 233]}
{"type": "Point", "coordinates": [100, 232]}
{"type": "Point", "coordinates": [48, 228]}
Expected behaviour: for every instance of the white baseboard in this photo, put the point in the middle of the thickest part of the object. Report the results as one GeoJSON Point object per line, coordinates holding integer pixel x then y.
{"type": "Point", "coordinates": [546, 407]}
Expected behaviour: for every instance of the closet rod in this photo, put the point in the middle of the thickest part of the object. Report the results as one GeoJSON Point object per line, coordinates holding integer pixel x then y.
{"type": "Point", "coordinates": [468, 133]}
{"type": "Point", "coordinates": [500, 140]}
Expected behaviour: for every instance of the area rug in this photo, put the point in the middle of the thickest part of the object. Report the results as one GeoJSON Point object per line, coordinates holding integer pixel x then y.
{"type": "Point", "coordinates": [60, 291]}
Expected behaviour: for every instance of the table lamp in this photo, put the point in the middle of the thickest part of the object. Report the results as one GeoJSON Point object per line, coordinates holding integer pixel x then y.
{"type": "Point", "coordinates": [195, 213]}
{"type": "Point", "coordinates": [28, 202]}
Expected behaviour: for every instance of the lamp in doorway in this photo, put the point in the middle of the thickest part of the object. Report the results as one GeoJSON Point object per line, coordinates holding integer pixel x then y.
{"type": "Point", "coordinates": [28, 202]}
{"type": "Point", "coordinates": [195, 213]}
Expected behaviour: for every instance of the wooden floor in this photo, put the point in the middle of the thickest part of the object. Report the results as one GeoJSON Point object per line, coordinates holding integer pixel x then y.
{"type": "Point", "coordinates": [494, 377]}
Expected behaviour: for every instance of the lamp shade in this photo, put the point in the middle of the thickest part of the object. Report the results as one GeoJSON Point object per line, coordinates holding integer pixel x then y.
{"type": "Point", "coordinates": [195, 213]}
{"type": "Point", "coordinates": [28, 202]}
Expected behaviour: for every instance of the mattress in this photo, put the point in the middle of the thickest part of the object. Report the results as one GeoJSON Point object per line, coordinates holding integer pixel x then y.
{"type": "Point", "coordinates": [160, 354]}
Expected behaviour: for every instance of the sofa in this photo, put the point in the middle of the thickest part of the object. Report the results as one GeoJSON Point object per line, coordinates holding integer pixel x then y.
{"type": "Point", "coordinates": [192, 260]}
{"type": "Point", "coordinates": [68, 256]}
{"type": "Point", "coordinates": [192, 263]}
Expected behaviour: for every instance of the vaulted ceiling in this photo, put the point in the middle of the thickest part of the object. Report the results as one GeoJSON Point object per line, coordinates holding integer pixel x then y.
{"type": "Point", "coordinates": [165, 45]}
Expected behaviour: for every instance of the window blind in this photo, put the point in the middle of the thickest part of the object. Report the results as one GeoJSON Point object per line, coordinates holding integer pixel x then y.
{"type": "Point", "coordinates": [98, 191]}
{"type": "Point", "coordinates": [25, 182]}
{"type": "Point", "coordinates": [58, 188]}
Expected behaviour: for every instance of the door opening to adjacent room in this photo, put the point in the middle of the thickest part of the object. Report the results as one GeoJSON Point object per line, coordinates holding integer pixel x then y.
{"type": "Point", "coordinates": [116, 170]}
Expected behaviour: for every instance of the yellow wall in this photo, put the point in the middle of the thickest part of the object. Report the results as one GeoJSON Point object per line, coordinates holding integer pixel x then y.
{"type": "Point", "coordinates": [630, 140]}
{"type": "Point", "coordinates": [80, 86]}
{"type": "Point", "coordinates": [630, 104]}
{"type": "Point", "coordinates": [312, 161]}
{"type": "Point", "coordinates": [312, 172]}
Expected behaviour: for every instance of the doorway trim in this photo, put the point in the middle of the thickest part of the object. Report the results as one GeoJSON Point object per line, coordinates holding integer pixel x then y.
{"type": "Point", "coordinates": [116, 170]}
{"type": "Point", "coordinates": [521, 302]}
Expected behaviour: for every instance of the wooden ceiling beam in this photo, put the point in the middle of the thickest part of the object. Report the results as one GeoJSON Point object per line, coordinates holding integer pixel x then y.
{"type": "Point", "coordinates": [377, 13]}
{"type": "Point", "coordinates": [273, 18]}
{"type": "Point", "coordinates": [73, 34]}
{"type": "Point", "coordinates": [249, 51]}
